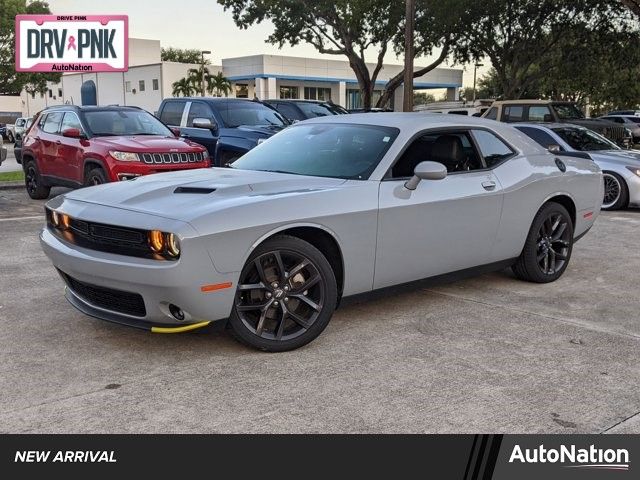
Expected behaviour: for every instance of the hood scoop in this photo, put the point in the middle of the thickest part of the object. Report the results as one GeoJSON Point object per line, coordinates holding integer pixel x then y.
{"type": "Point", "coordinates": [196, 190]}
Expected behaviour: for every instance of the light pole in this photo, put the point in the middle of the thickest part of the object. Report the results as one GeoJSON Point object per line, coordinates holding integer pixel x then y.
{"type": "Point", "coordinates": [475, 67]}
{"type": "Point", "coordinates": [407, 98]}
{"type": "Point", "coordinates": [203, 53]}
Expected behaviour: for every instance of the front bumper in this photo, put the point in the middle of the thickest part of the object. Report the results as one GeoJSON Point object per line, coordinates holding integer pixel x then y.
{"type": "Point", "coordinates": [159, 283]}
{"type": "Point", "coordinates": [127, 170]}
{"type": "Point", "coordinates": [633, 182]}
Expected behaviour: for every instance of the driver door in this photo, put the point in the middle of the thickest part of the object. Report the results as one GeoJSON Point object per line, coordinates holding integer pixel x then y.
{"type": "Point", "coordinates": [443, 225]}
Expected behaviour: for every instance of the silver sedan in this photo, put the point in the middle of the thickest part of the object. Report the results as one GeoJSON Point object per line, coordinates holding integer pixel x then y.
{"type": "Point", "coordinates": [620, 167]}
{"type": "Point", "coordinates": [328, 208]}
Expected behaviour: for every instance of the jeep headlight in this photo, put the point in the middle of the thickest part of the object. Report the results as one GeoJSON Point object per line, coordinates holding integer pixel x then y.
{"type": "Point", "coordinates": [125, 156]}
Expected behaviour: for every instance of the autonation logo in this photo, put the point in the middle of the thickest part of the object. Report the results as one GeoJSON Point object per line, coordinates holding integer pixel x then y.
{"type": "Point", "coordinates": [573, 457]}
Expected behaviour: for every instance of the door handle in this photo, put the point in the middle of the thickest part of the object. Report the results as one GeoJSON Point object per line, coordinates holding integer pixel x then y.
{"type": "Point", "coordinates": [58, 142]}
{"type": "Point", "coordinates": [489, 185]}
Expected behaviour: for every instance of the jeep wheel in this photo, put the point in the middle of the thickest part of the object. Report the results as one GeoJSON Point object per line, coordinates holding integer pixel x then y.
{"type": "Point", "coordinates": [95, 176]}
{"type": "Point", "coordinates": [33, 182]}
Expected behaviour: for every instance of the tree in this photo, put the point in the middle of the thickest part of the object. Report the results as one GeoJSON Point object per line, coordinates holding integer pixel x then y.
{"type": "Point", "coordinates": [422, 98]}
{"type": "Point", "coordinates": [217, 84]}
{"type": "Point", "coordinates": [517, 35]}
{"type": "Point", "coordinates": [180, 55]}
{"type": "Point", "coordinates": [342, 27]}
{"type": "Point", "coordinates": [12, 82]}
{"type": "Point", "coordinates": [183, 87]}
{"type": "Point", "coordinates": [633, 5]}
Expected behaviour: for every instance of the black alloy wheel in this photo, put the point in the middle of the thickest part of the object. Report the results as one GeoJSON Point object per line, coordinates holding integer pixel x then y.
{"type": "Point", "coordinates": [285, 296]}
{"type": "Point", "coordinates": [554, 239]}
{"type": "Point", "coordinates": [33, 182]}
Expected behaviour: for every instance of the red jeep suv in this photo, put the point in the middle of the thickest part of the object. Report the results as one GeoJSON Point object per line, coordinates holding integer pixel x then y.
{"type": "Point", "coordinates": [74, 146]}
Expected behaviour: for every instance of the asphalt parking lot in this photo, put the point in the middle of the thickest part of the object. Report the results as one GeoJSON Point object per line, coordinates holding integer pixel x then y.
{"type": "Point", "coordinates": [489, 354]}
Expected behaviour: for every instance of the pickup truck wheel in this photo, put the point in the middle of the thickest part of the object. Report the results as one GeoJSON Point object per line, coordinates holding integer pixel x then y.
{"type": "Point", "coordinates": [286, 295]}
{"type": "Point", "coordinates": [33, 182]}
{"type": "Point", "coordinates": [95, 176]}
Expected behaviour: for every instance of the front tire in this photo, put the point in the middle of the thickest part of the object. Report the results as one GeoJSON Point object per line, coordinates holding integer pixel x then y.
{"type": "Point", "coordinates": [616, 192]}
{"type": "Point", "coordinates": [33, 182]}
{"type": "Point", "coordinates": [95, 176]}
{"type": "Point", "coordinates": [286, 295]}
{"type": "Point", "coordinates": [548, 247]}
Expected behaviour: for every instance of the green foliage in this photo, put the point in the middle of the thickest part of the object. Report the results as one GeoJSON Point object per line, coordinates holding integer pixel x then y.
{"type": "Point", "coordinates": [12, 82]}
{"type": "Point", "coordinates": [217, 85]}
{"type": "Point", "coordinates": [422, 98]}
{"type": "Point", "coordinates": [182, 55]}
{"type": "Point", "coordinates": [183, 87]}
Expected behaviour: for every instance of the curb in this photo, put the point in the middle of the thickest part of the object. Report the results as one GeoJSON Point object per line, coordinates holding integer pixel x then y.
{"type": "Point", "coordinates": [11, 185]}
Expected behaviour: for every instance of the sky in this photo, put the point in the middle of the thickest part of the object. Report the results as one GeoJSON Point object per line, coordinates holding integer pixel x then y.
{"type": "Point", "coordinates": [204, 25]}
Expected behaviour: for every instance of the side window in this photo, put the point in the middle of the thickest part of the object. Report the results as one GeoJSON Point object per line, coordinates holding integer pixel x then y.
{"type": "Point", "coordinates": [52, 122]}
{"type": "Point", "coordinates": [70, 120]}
{"type": "Point", "coordinates": [493, 113]}
{"type": "Point", "coordinates": [512, 113]}
{"type": "Point", "coordinates": [289, 111]}
{"type": "Point", "coordinates": [453, 149]}
{"type": "Point", "coordinates": [541, 137]}
{"type": "Point", "coordinates": [199, 110]}
{"type": "Point", "coordinates": [41, 120]}
{"type": "Point", "coordinates": [540, 113]}
{"type": "Point", "coordinates": [172, 113]}
{"type": "Point", "coordinates": [491, 147]}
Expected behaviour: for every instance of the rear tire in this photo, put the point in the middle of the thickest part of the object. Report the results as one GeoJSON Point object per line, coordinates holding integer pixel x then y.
{"type": "Point", "coordinates": [286, 295]}
{"type": "Point", "coordinates": [547, 249]}
{"type": "Point", "coordinates": [95, 176]}
{"type": "Point", "coordinates": [33, 182]}
{"type": "Point", "coordinates": [616, 192]}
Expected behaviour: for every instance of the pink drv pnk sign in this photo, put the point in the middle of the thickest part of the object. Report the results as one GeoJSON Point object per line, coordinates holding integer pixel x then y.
{"type": "Point", "coordinates": [72, 43]}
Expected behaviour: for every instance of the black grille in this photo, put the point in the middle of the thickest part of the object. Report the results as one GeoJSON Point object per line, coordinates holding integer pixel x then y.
{"type": "Point", "coordinates": [107, 298]}
{"type": "Point", "coordinates": [159, 158]}
{"type": "Point", "coordinates": [615, 133]}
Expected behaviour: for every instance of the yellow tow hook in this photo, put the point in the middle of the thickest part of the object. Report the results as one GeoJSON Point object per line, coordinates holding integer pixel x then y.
{"type": "Point", "coordinates": [185, 328]}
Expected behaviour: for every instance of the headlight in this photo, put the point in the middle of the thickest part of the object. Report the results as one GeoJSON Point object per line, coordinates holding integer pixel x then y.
{"type": "Point", "coordinates": [125, 156]}
{"type": "Point", "coordinates": [55, 218]}
{"type": "Point", "coordinates": [205, 154]}
{"type": "Point", "coordinates": [156, 241]}
{"type": "Point", "coordinates": [635, 170]}
{"type": "Point", "coordinates": [173, 244]}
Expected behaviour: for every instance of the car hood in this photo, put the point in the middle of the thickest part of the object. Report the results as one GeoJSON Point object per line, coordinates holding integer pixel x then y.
{"type": "Point", "coordinates": [147, 143]}
{"type": "Point", "coordinates": [630, 157]}
{"type": "Point", "coordinates": [184, 195]}
{"type": "Point", "coordinates": [592, 123]}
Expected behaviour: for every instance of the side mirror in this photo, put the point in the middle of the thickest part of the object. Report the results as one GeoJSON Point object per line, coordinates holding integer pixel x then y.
{"type": "Point", "coordinates": [553, 148]}
{"type": "Point", "coordinates": [72, 133]}
{"type": "Point", "coordinates": [426, 171]}
{"type": "Point", "coordinates": [204, 123]}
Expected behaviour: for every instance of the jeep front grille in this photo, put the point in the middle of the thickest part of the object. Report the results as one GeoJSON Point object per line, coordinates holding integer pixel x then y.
{"type": "Point", "coordinates": [163, 158]}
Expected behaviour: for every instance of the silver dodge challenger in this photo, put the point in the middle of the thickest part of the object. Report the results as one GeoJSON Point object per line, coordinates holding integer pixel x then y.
{"type": "Point", "coordinates": [328, 208]}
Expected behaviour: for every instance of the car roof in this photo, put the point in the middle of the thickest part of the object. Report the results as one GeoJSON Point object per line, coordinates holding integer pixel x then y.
{"type": "Point", "coordinates": [548, 125]}
{"type": "Point", "coordinates": [408, 120]}
{"type": "Point", "coordinates": [88, 108]}
{"type": "Point", "coordinates": [297, 100]}
{"type": "Point", "coordinates": [213, 99]}
{"type": "Point", "coordinates": [530, 102]}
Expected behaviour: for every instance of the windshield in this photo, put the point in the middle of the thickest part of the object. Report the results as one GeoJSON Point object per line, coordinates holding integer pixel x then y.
{"type": "Point", "coordinates": [312, 110]}
{"type": "Point", "coordinates": [124, 122]}
{"type": "Point", "coordinates": [322, 150]}
{"type": "Point", "coordinates": [235, 114]}
{"type": "Point", "coordinates": [567, 111]}
{"type": "Point", "coordinates": [584, 140]}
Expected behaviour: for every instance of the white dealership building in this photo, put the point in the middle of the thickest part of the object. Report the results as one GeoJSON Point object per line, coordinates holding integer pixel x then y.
{"type": "Point", "coordinates": [149, 80]}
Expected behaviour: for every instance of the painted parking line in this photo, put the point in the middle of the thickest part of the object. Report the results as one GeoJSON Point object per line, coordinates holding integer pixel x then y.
{"type": "Point", "coordinates": [18, 219]}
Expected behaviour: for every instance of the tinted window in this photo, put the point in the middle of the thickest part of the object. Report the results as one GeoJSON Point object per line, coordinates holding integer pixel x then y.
{"type": "Point", "coordinates": [312, 110]}
{"type": "Point", "coordinates": [70, 120]}
{"type": "Point", "coordinates": [289, 111]}
{"type": "Point", "coordinates": [52, 122]}
{"type": "Point", "coordinates": [172, 113]}
{"type": "Point", "coordinates": [325, 150]}
{"type": "Point", "coordinates": [199, 110]}
{"type": "Point", "coordinates": [458, 112]}
{"type": "Point", "coordinates": [124, 122]}
{"type": "Point", "coordinates": [491, 147]}
{"type": "Point", "coordinates": [541, 137]}
{"type": "Point", "coordinates": [567, 111]}
{"type": "Point", "coordinates": [249, 113]}
{"type": "Point", "coordinates": [584, 140]}
{"type": "Point", "coordinates": [492, 114]}
{"type": "Point", "coordinates": [537, 113]}
{"type": "Point", "coordinates": [513, 113]}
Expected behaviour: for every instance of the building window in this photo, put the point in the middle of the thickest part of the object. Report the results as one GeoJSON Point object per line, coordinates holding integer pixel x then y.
{"type": "Point", "coordinates": [242, 90]}
{"type": "Point", "coordinates": [317, 93]}
{"type": "Point", "coordinates": [354, 99]}
{"type": "Point", "coordinates": [50, 93]}
{"type": "Point", "coordinates": [288, 92]}
{"type": "Point", "coordinates": [33, 95]}
{"type": "Point", "coordinates": [127, 87]}
{"type": "Point", "coordinates": [141, 85]}
{"type": "Point", "coordinates": [60, 92]}
{"type": "Point", "coordinates": [156, 84]}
